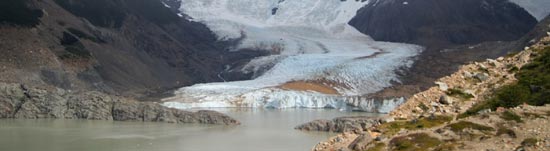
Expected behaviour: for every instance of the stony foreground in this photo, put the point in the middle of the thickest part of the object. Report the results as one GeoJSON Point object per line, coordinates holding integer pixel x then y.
{"type": "Point", "coordinates": [18, 101]}
{"type": "Point", "coordinates": [436, 119]}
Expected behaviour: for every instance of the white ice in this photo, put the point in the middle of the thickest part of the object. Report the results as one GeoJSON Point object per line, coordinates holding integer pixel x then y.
{"type": "Point", "coordinates": [309, 40]}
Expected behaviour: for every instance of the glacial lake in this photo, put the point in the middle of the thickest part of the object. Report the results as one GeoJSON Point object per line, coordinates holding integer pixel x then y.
{"type": "Point", "coordinates": [260, 129]}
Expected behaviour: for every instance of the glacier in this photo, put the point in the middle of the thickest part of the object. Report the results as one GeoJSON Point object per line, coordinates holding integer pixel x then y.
{"type": "Point", "coordinates": [309, 40]}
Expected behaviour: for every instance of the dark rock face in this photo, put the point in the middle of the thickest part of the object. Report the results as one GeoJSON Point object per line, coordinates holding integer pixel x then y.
{"type": "Point", "coordinates": [133, 48]}
{"type": "Point", "coordinates": [443, 22]}
{"type": "Point", "coordinates": [16, 12]}
{"type": "Point", "coordinates": [19, 102]}
{"type": "Point", "coordinates": [340, 124]}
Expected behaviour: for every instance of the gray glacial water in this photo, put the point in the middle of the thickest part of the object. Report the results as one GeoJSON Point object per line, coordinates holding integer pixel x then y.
{"type": "Point", "coordinates": [261, 129]}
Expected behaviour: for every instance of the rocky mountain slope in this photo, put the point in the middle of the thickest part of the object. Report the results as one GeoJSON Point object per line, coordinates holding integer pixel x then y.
{"type": "Point", "coordinates": [446, 22]}
{"type": "Point", "coordinates": [443, 57]}
{"type": "Point", "coordinates": [123, 47]}
{"type": "Point", "coordinates": [484, 106]}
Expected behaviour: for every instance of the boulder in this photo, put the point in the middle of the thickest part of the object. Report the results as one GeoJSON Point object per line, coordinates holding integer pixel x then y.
{"type": "Point", "coordinates": [481, 76]}
{"type": "Point", "coordinates": [317, 125]}
{"type": "Point", "coordinates": [446, 100]}
{"type": "Point", "coordinates": [341, 124]}
{"type": "Point", "coordinates": [361, 143]}
{"type": "Point", "coordinates": [442, 86]}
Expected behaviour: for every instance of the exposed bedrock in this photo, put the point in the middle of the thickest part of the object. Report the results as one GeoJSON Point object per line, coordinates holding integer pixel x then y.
{"type": "Point", "coordinates": [443, 22]}
{"type": "Point", "coordinates": [341, 124]}
{"type": "Point", "coordinates": [17, 101]}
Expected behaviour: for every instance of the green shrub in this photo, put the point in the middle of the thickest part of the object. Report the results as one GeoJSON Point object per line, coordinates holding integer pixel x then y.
{"type": "Point", "coordinates": [533, 87]}
{"type": "Point", "coordinates": [394, 127]}
{"type": "Point", "coordinates": [459, 94]}
{"type": "Point", "coordinates": [506, 131]}
{"type": "Point", "coordinates": [529, 142]}
{"type": "Point", "coordinates": [459, 126]}
{"type": "Point", "coordinates": [510, 116]}
{"type": "Point", "coordinates": [414, 142]}
{"type": "Point", "coordinates": [423, 107]}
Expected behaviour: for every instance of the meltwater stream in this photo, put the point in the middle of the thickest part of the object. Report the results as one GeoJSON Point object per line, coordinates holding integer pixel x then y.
{"type": "Point", "coordinates": [261, 129]}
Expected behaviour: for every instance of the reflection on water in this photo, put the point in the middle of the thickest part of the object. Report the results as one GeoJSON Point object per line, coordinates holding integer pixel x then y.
{"type": "Point", "coordinates": [260, 130]}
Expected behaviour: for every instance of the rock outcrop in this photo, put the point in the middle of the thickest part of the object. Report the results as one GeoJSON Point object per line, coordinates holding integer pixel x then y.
{"type": "Point", "coordinates": [18, 101]}
{"type": "Point", "coordinates": [438, 119]}
{"type": "Point", "coordinates": [443, 22]}
{"type": "Point", "coordinates": [340, 124]}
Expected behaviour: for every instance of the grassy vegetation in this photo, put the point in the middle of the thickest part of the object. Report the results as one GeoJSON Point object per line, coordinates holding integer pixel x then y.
{"type": "Point", "coordinates": [392, 128]}
{"type": "Point", "coordinates": [448, 146]}
{"type": "Point", "coordinates": [533, 87]}
{"type": "Point", "coordinates": [414, 142]}
{"type": "Point", "coordinates": [458, 93]}
{"type": "Point", "coordinates": [460, 126]}
{"type": "Point", "coordinates": [529, 142]}
{"type": "Point", "coordinates": [513, 69]}
{"type": "Point", "coordinates": [532, 115]}
{"type": "Point", "coordinates": [511, 116]}
{"type": "Point", "coordinates": [377, 147]}
{"type": "Point", "coordinates": [506, 131]}
{"type": "Point", "coordinates": [423, 107]}
{"type": "Point", "coordinates": [16, 12]}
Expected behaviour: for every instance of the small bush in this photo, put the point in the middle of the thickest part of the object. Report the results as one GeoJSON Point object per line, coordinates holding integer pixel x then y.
{"type": "Point", "coordinates": [414, 142]}
{"type": "Point", "coordinates": [510, 116]}
{"type": "Point", "coordinates": [392, 128]}
{"type": "Point", "coordinates": [423, 107]}
{"type": "Point", "coordinates": [459, 94]}
{"type": "Point", "coordinates": [529, 142]}
{"type": "Point", "coordinates": [513, 69]}
{"type": "Point", "coordinates": [507, 131]}
{"type": "Point", "coordinates": [533, 87]}
{"type": "Point", "coordinates": [460, 126]}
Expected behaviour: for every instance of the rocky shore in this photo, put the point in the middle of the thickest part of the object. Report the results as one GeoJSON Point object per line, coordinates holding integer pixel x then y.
{"type": "Point", "coordinates": [341, 124]}
{"type": "Point", "coordinates": [440, 119]}
{"type": "Point", "coordinates": [22, 102]}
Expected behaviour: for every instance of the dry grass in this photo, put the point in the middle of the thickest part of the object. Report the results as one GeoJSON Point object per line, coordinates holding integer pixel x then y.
{"type": "Point", "coordinates": [310, 86]}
